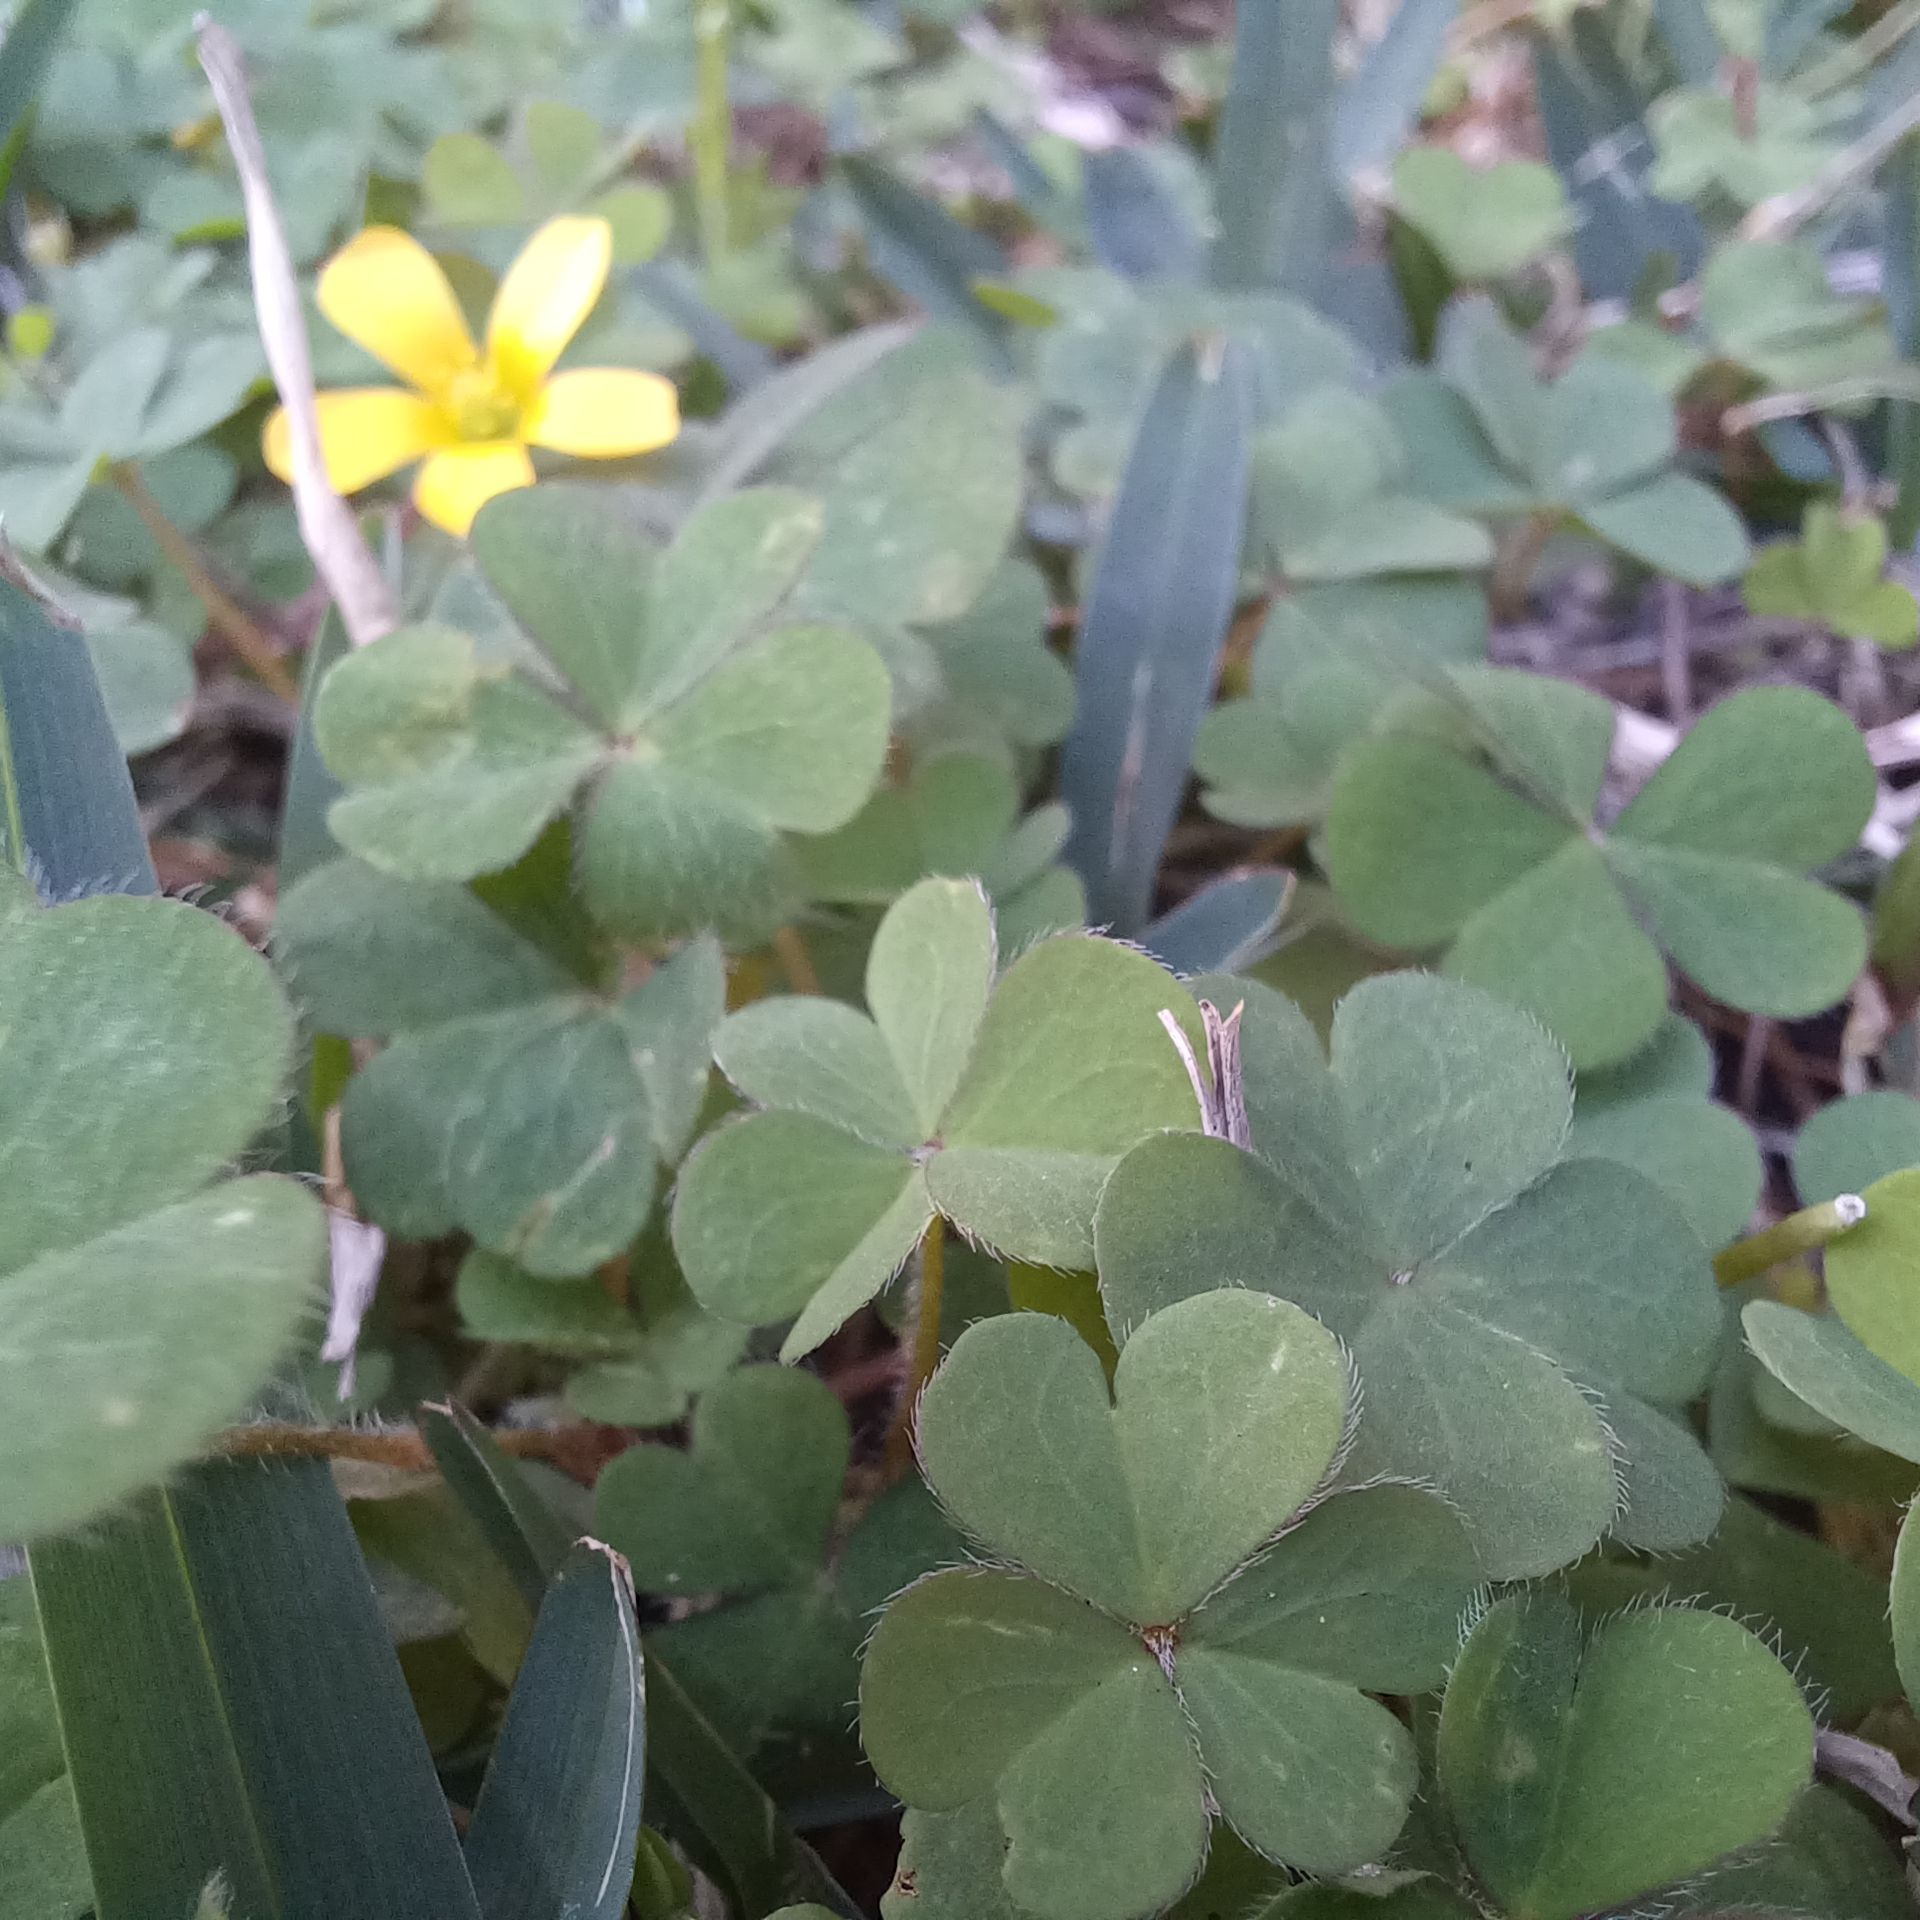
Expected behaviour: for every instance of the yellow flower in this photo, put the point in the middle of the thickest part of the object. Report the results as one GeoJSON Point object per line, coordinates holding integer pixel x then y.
{"type": "Point", "coordinates": [469, 416]}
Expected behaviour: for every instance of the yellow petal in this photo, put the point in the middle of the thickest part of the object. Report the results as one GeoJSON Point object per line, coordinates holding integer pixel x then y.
{"type": "Point", "coordinates": [603, 413]}
{"type": "Point", "coordinates": [386, 293]}
{"type": "Point", "coordinates": [366, 433]}
{"type": "Point", "coordinates": [458, 481]}
{"type": "Point", "coordinates": [545, 297]}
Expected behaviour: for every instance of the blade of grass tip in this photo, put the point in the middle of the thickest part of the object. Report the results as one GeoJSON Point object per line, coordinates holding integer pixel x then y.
{"type": "Point", "coordinates": [1598, 142]}
{"type": "Point", "coordinates": [1380, 105]}
{"type": "Point", "coordinates": [1161, 593]}
{"type": "Point", "coordinates": [1274, 195]}
{"type": "Point", "coordinates": [1136, 225]}
{"type": "Point", "coordinates": [230, 1701]}
{"type": "Point", "coordinates": [701, 1791]}
{"type": "Point", "coordinates": [66, 797]}
{"type": "Point", "coordinates": [526, 1535]}
{"type": "Point", "coordinates": [554, 1828]}
{"type": "Point", "coordinates": [932, 258]}
{"type": "Point", "coordinates": [328, 530]}
{"type": "Point", "coordinates": [1224, 926]}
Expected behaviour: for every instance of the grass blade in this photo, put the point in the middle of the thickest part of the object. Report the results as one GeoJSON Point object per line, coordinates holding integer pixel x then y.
{"type": "Point", "coordinates": [1224, 926]}
{"type": "Point", "coordinates": [929, 255]}
{"type": "Point", "coordinates": [1136, 225]}
{"type": "Point", "coordinates": [554, 1828]}
{"type": "Point", "coordinates": [1599, 144]}
{"type": "Point", "coordinates": [698, 1789]}
{"type": "Point", "coordinates": [1155, 618]}
{"type": "Point", "coordinates": [524, 1532]}
{"type": "Point", "coordinates": [229, 1701]}
{"type": "Point", "coordinates": [68, 812]}
{"type": "Point", "coordinates": [1274, 200]}
{"type": "Point", "coordinates": [1378, 107]}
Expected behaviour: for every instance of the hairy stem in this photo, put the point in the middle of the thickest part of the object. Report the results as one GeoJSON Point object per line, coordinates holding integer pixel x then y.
{"type": "Point", "coordinates": [235, 625]}
{"type": "Point", "coordinates": [925, 1352]}
{"type": "Point", "coordinates": [383, 1446]}
{"type": "Point", "coordinates": [1803, 1232]}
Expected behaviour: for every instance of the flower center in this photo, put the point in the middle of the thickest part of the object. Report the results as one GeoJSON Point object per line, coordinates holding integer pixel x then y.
{"type": "Point", "coordinates": [480, 406]}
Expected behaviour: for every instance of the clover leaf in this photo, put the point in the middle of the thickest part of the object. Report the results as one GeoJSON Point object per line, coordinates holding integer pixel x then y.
{"type": "Point", "coordinates": [1519, 1319]}
{"type": "Point", "coordinates": [1652, 1112]}
{"type": "Point", "coordinates": [1097, 365]}
{"type": "Point", "coordinates": [1148, 1648]}
{"type": "Point", "coordinates": [1852, 1143]}
{"type": "Point", "coordinates": [678, 715]}
{"type": "Point", "coordinates": [1582, 1771]}
{"type": "Point", "coordinates": [516, 1099]}
{"type": "Point", "coordinates": [1427, 844]}
{"type": "Point", "coordinates": [749, 1511]}
{"type": "Point", "coordinates": [644, 1358]}
{"type": "Point", "coordinates": [1329, 499]}
{"type": "Point", "coordinates": [999, 1105]}
{"type": "Point", "coordinates": [955, 813]}
{"type": "Point", "coordinates": [143, 393]}
{"type": "Point", "coordinates": [1834, 575]}
{"type": "Point", "coordinates": [1488, 436]}
{"type": "Point", "coordinates": [1768, 306]}
{"type": "Point", "coordinates": [1484, 222]}
{"type": "Point", "coordinates": [1327, 661]}
{"type": "Point", "coordinates": [1706, 146]}
{"type": "Point", "coordinates": [143, 1305]}
{"type": "Point", "coordinates": [554, 162]}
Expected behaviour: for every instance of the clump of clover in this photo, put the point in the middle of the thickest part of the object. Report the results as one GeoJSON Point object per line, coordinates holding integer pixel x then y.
{"type": "Point", "coordinates": [1524, 1322]}
{"type": "Point", "coordinates": [1175, 1621]}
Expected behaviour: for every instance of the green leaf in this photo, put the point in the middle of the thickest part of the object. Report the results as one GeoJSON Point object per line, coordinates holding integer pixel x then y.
{"type": "Point", "coordinates": [1025, 1386]}
{"type": "Point", "coordinates": [1827, 1858]}
{"type": "Point", "coordinates": [1852, 1144]}
{"type": "Point", "coordinates": [929, 976]}
{"type": "Point", "coordinates": [1426, 845]}
{"type": "Point", "coordinates": [1069, 1066]}
{"type": "Point", "coordinates": [1832, 575]}
{"type": "Point", "coordinates": [1819, 1360]}
{"type": "Point", "coordinates": [1327, 662]}
{"type": "Point", "coordinates": [1154, 620]}
{"type": "Point", "coordinates": [920, 508]}
{"type": "Point", "coordinates": [538, 1128]}
{"type": "Point", "coordinates": [1652, 1113]}
{"type": "Point", "coordinates": [749, 1506]}
{"type": "Point", "coordinates": [1581, 1777]}
{"type": "Point", "coordinates": [229, 1701]}
{"type": "Point", "coordinates": [716, 724]}
{"type": "Point", "coordinates": [1485, 222]}
{"type": "Point", "coordinates": [1827, 1613]}
{"type": "Point", "coordinates": [1870, 1272]}
{"type": "Point", "coordinates": [107, 1210]}
{"type": "Point", "coordinates": [1274, 197]}
{"type": "Point", "coordinates": [555, 1824]}
{"type": "Point", "coordinates": [1409, 1198]}
{"type": "Point", "coordinates": [468, 181]}
{"type": "Point", "coordinates": [980, 1678]}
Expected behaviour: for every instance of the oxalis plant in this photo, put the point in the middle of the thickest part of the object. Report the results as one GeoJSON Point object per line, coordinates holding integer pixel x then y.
{"type": "Point", "coordinates": [1075, 1077]}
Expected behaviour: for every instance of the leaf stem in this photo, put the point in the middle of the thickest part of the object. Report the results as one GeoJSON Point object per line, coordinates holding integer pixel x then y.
{"type": "Point", "coordinates": [1513, 566]}
{"type": "Point", "coordinates": [1803, 1232]}
{"type": "Point", "coordinates": [796, 962]}
{"type": "Point", "coordinates": [928, 1297]}
{"type": "Point", "coordinates": [245, 634]}
{"type": "Point", "coordinates": [400, 1447]}
{"type": "Point", "coordinates": [712, 132]}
